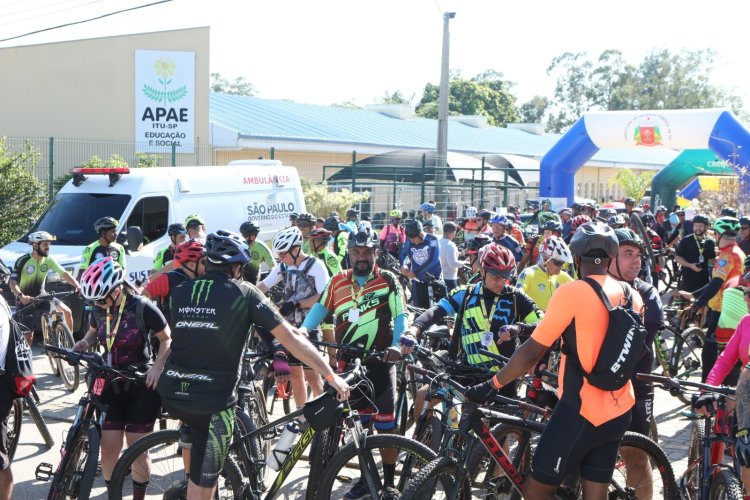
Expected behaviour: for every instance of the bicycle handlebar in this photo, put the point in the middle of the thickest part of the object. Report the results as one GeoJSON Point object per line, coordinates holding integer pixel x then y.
{"type": "Point", "coordinates": [502, 359]}
{"type": "Point", "coordinates": [95, 361]}
{"type": "Point", "coordinates": [672, 383]}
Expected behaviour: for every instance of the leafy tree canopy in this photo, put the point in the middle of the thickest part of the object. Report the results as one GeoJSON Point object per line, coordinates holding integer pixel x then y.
{"type": "Point", "coordinates": [238, 86]}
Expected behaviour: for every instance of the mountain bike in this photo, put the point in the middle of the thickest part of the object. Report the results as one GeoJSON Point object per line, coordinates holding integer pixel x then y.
{"type": "Point", "coordinates": [14, 421]}
{"type": "Point", "coordinates": [31, 402]}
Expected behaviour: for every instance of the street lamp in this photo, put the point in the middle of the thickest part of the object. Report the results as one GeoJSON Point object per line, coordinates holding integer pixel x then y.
{"type": "Point", "coordinates": [441, 175]}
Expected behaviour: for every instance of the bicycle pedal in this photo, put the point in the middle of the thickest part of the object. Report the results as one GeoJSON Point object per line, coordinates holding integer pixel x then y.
{"type": "Point", "coordinates": [43, 471]}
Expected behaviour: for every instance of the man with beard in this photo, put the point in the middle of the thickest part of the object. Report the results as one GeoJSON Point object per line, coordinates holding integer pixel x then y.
{"type": "Point", "coordinates": [105, 246]}
{"type": "Point", "coordinates": [694, 253]}
{"type": "Point", "coordinates": [365, 300]}
{"type": "Point", "coordinates": [30, 273]}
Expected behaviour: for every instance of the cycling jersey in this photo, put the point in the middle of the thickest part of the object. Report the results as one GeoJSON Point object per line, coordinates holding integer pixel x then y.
{"type": "Point", "coordinates": [96, 251]}
{"type": "Point", "coordinates": [392, 238]}
{"type": "Point", "coordinates": [577, 306]}
{"type": "Point", "coordinates": [163, 257]}
{"type": "Point", "coordinates": [260, 254]}
{"type": "Point", "coordinates": [331, 262]}
{"type": "Point", "coordinates": [532, 248]}
{"type": "Point", "coordinates": [511, 244]}
{"type": "Point", "coordinates": [300, 282]}
{"type": "Point", "coordinates": [211, 318]}
{"type": "Point", "coordinates": [159, 288]}
{"type": "Point", "coordinates": [517, 234]}
{"type": "Point", "coordinates": [31, 274]}
{"type": "Point", "coordinates": [728, 264]}
{"type": "Point", "coordinates": [425, 257]}
{"type": "Point", "coordinates": [539, 285]}
{"type": "Point", "coordinates": [340, 246]}
{"type": "Point", "coordinates": [376, 303]}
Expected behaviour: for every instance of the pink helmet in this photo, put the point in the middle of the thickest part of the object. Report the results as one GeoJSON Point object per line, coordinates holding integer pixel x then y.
{"type": "Point", "coordinates": [100, 278]}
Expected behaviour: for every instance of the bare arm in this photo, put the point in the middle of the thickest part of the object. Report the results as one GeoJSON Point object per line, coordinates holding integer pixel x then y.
{"type": "Point", "coordinates": [69, 279]}
{"type": "Point", "coordinates": [523, 360]}
{"type": "Point", "coordinates": [743, 400]}
{"type": "Point", "coordinates": [263, 288]}
{"type": "Point", "coordinates": [165, 343]}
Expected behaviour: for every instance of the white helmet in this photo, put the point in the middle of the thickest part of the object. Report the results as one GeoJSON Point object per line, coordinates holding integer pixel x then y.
{"type": "Point", "coordinates": [471, 212]}
{"type": "Point", "coordinates": [40, 236]}
{"type": "Point", "coordinates": [100, 278]}
{"type": "Point", "coordinates": [286, 239]}
{"type": "Point", "coordinates": [555, 248]}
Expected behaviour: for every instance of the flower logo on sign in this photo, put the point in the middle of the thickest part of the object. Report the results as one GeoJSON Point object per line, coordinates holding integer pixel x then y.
{"type": "Point", "coordinates": [647, 132]}
{"type": "Point", "coordinates": [164, 69]}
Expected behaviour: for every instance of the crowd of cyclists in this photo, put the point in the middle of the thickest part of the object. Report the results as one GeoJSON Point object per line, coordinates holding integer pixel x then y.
{"type": "Point", "coordinates": [532, 289]}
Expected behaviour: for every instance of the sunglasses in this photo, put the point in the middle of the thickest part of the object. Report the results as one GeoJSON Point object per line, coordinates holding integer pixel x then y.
{"type": "Point", "coordinates": [303, 224]}
{"type": "Point", "coordinates": [558, 263]}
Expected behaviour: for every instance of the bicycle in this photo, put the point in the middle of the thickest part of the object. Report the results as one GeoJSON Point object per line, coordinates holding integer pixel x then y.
{"type": "Point", "coordinates": [14, 421]}
{"type": "Point", "coordinates": [31, 402]}
{"type": "Point", "coordinates": [509, 444]}
{"type": "Point", "coordinates": [74, 476]}
{"type": "Point", "coordinates": [706, 475]}
{"type": "Point", "coordinates": [55, 333]}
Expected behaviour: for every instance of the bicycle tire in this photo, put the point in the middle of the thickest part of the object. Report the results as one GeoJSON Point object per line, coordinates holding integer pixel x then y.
{"type": "Point", "coordinates": [334, 484]}
{"type": "Point", "coordinates": [75, 476]}
{"type": "Point", "coordinates": [662, 476]}
{"type": "Point", "coordinates": [516, 442]}
{"type": "Point", "coordinates": [431, 433]}
{"type": "Point", "coordinates": [50, 339]}
{"type": "Point", "coordinates": [439, 475]}
{"type": "Point", "coordinates": [70, 374]}
{"type": "Point", "coordinates": [251, 451]}
{"type": "Point", "coordinates": [324, 446]}
{"type": "Point", "coordinates": [14, 421]}
{"type": "Point", "coordinates": [38, 419]}
{"type": "Point", "coordinates": [685, 359]}
{"type": "Point", "coordinates": [690, 484]}
{"type": "Point", "coordinates": [402, 411]}
{"type": "Point", "coordinates": [637, 224]}
{"type": "Point", "coordinates": [725, 486]}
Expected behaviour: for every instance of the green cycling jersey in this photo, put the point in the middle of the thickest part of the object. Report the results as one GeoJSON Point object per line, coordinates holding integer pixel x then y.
{"type": "Point", "coordinates": [31, 274]}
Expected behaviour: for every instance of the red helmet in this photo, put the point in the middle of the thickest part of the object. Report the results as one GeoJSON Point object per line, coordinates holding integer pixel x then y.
{"type": "Point", "coordinates": [320, 234]}
{"type": "Point", "coordinates": [189, 251]}
{"type": "Point", "coordinates": [578, 220]}
{"type": "Point", "coordinates": [498, 260]}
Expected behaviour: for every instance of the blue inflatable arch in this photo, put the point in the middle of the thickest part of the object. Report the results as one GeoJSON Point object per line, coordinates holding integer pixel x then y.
{"type": "Point", "coordinates": [715, 129]}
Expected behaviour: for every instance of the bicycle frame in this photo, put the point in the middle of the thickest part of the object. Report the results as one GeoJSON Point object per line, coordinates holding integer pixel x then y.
{"type": "Point", "coordinates": [717, 436]}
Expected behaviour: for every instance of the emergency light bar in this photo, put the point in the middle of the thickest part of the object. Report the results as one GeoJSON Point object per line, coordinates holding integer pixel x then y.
{"type": "Point", "coordinates": [114, 174]}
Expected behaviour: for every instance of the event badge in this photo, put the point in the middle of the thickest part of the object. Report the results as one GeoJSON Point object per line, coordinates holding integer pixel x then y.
{"type": "Point", "coordinates": [353, 315]}
{"type": "Point", "coordinates": [700, 260]}
{"type": "Point", "coordinates": [487, 339]}
{"type": "Point", "coordinates": [109, 359]}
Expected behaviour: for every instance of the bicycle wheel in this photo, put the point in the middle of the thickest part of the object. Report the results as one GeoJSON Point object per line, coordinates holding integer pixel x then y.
{"type": "Point", "coordinates": [436, 480]}
{"type": "Point", "coordinates": [15, 418]}
{"type": "Point", "coordinates": [69, 373]}
{"type": "Point", "coordinates": [517, 443]}
{"type": "Point", "coordinates": [344, 468]}
{"type": "Point", "coordinates": [642, 467]}
{"type": "Point", "coordinates": [685, 357]}
{"type": "Point", "coordinates": [36, 416]}
{"type": "Point", "coordinates": [402, 411]}
{"type": "Point", "coordinates": [75, 475]}
{"type": "Point", "coordinates": [431, 433]}
{"type": "Point", "coordinates": [324, 446]}
{"type": "Point", "coordinates": [691, 487]}
{"type": "Point", "coordinates": [725, 486]}
{"type": "Point", "coordinates": [251, 452]}
{"type": "Point", "coordinates": [50, 338]}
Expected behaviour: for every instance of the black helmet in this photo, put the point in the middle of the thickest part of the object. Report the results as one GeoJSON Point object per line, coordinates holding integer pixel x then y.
{"type": "Point", "coordinates": [249, 227]}
{"type": "Point", "coordinates": [352, 213]}
{"type": "Point", "coordinates": [746, 263]}
{"type": "Point", "coordinates": [176, 229]}
{"type": "Point", "coordinates": [576, 206]}
{"type": "Point", "coordinates": [484, 214]}
{"type": "Point", "coordinates": [552, 225]}
{"type": "Point", "coordinates": [629, 201]}
{"type": "Point", "coordinates": [647, 218]}
{"type": "Point", "coordinates": [594, 240]}
{"type": "Point", "coordinates": [627, 237]}
{"type": "Point", "coordinates": [744, 221]}
{"type": "Point", "coordinates": [105, 224]}
{"type": "Point", "coordinates": [306, 217]}
{"type": "Point", "coordinates": [702, 219]}
{"type": "Point", "coordinates": [332, 223]}
{"type": "Point", "coordinates": [616, 220]}
{"type": "Point", "coordinates": [477, 242]}
{"type": "Point", "coordinates": [413, 229]}
{"type": "Point", "coordinates": [364, 236]}
{"type": "Point", "coordinates": [728, 212]}
{"type": "Point", "coordinates": [226, 247]}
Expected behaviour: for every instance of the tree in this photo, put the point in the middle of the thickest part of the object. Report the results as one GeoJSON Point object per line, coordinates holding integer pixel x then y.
{"type": "Point", "coordinates": [346, 105]}
{"type": "Point", "coordinates": [533, 111]}
{"type": "Point", "coordinates": [663, 80]}
{"type": "Point", "coordinates": [486, 94]}
{"type": "Point", "coordinates": [634, 185]}
{"type": "Point", "coordinates": [23, 194]}
{"type": "Point", "coordinates": [395, 98]}
{"type": "Point", "coordinates": [319, 200]}
{"type": "Point", "coordinates": [239, 86]}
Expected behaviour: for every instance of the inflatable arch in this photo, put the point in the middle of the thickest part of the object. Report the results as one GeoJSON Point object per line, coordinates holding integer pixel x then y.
{"type": "Point", "coordinates": [715, 129]}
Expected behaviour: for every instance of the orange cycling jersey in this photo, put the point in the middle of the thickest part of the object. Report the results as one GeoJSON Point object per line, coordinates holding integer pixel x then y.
{"type": "Point", "coordinates": [728, 264]}
{"type": "Point", "coordinates": [577, 305]}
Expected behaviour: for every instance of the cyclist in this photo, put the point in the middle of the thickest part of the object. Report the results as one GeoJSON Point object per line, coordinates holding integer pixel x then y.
{"type": "Point", "coordinates": [588, 423]}
{"type": "Point", "coordinates": [304, 278]}
{"type": "Point", "coordinates": [116, 326]}
{"type": "Point", "coordinates": [260, 255]}
{"type": "Point", "coordinates": [366, 301]}
{"type": "Point", "coordinates": [319, 239]}
{"type": "Point", "coordinates": [340, 239]}
{"type": "Point", "coordinates": [393, 237]}
{"type": "Point", "coordinates": [550, 227]}
{"type": "Point", "coordinates": [30, 273]}
{"type": "Point", "coordinates": [423, 251]}
{"type": "Point", "coordinates": [6, 398]}
{"type": "Point", "coordinates": [695, 254]}
{"type": "Point", "coordinates": [513, 229]}
{"type": "Point", "coordinates": [629, 205]}
{"type": "Point", "coordinates": [293, 218]}
{"type": "Point", "coordinates": [743, 239]}
{"type": "Point", "coordinates": [306, 223]}
{"type": "Point", "coordinates": [213, 316]}
{"type": "Point", "coordinates": [577, 222]}
{"type": "Point", "coordinates": [681, 228]}
{"type": "Point", "coordinates": [566, 217]}
{"type": "Point", "coordinates": [352, 219]}
{"type": "Point", "coordinates": [616, 221]}
{"type": "Point", "coordinates": [106, 229]}
{"type": "Point", "coordinates": [542, 279]}
{"type": "Point", "coordinates": [472, 252]}
{"type": "Point", "coordinates": [499, 224]}
{"type": "Point", "coordinates": [196, 227]}
{"type": "Point", "coordinates": [449, 262]}
{"type": "Point", "coordinates": [470, 228]}
{"type": "Point", "coordinates": [429, 215]}
{"type": "Point", "coordinates": [177, 234]}
{"type": "Point", "coordinates": [483, 222]}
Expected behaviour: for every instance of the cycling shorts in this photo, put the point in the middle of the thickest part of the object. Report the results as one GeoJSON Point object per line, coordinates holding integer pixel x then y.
{"type": "Point", "coordinates": [132, 407]}
{"type": "Point", "coordinates": [186, 436]}
{"type": "Point", "coordinates": [380, 405]}
{"type": "Point", "coordinates": [570, 442]}
{"type": "Point", "coordinates": [211, 435]}
{"type": "Point", "coordinates": [641, 414]}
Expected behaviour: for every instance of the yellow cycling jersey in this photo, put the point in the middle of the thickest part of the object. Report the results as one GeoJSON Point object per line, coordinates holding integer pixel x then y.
{"type": "Point", "coordinates": [539, 285]}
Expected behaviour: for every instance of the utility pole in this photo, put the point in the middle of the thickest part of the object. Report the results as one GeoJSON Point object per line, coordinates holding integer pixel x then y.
{"type": "Point", "coordinates": [441, 173]}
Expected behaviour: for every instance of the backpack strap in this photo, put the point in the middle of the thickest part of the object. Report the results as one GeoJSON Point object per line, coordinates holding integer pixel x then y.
{"type": "Point", "coordinates": [139, 320]}
{"type": "Point", "coordinates": [458, 325]}
{"type": "Point", "coordinates": [598, 289]}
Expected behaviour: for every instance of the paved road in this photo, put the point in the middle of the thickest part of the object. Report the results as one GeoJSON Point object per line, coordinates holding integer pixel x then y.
{"type": "Point", "coordinates": [58, 407]}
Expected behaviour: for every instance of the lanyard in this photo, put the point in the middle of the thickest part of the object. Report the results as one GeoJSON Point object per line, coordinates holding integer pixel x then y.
{"type": "Point", "coordinates": [355, 298]}
{"type": "Point", "coordinates": [111, 337]}
{"type": "Point", "coordinates": [485, 315]}
{"type": "Point", "coordinates": [700, 248]}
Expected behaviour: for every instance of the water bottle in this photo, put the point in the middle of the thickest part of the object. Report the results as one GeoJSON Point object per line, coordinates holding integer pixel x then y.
{"type": "Point", "coordinates": [284, 446]}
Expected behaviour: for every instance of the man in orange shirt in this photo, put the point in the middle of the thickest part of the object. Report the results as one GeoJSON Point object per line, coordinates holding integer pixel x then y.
{"type": "Point", "coordinates": [588, 423]}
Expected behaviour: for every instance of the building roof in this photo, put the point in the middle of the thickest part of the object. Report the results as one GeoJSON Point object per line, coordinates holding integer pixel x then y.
{"type": "Point", "coordinates": [256, 118]}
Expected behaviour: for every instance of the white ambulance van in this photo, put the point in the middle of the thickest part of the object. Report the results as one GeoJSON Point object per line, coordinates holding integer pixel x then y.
{"type": "Point", "coordinates": [147, 200]}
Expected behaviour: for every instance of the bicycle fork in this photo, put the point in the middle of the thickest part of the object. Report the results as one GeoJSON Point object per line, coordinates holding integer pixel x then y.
{"type": "Point", "coordinates": [366, 461]}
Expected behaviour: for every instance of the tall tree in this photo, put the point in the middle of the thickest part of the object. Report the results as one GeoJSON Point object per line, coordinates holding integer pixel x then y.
{"type": "Point", "coordinates": [486, 94]}
{"type": "Point", "coordinates": [533, 111]}
{"type": "Point", "coordinates": [634, 184]}
{"type": "Point", "coordinates": [238, 86]}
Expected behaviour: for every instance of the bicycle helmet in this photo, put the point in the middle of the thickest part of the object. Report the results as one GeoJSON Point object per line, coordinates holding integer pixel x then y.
{"type": "Point", "coordinates": [484, 214]}
{"type": "Point", "coordinates": [746, 264]}
{"type": "Point", "coordinates": [566, 211]}
{"type": "Point", "coordinates": [176, 229]}
{"type": "Point", "coordinates": [497, 260]}
{"type": "Point", "coordinates": [470, 212]}
{"type": "Point", "coordinates": [194, 220]}
{"type": "Point", "coordinates": [100, 278]}
{"type": "Point", "coordinates": [332, 223]}
{"type": "Point", "coordinates": [594, 241]}
{"type": "Point", "coordinates": [499, 219]}
{"type": "Point", "coordinates": [306, 217]}
{"type": "Point", "coordinates": [545, 217]}
{"type": "Point", "coordinates": [611, 212]}
{"type": "Point", "coordinates": [395, 213]}
{"type": "Point", "coordinates": [626, 236]}
{"type": "Point", "coordinates": [661, 208]}
{"type": "Point", "coordinates": [555, 248]}
{"type": "Point", "coordinates": [286, 239]}
{"type": "Point", "coordinates": [552, 225]}
{"type": "Point", "coordinates": [293, 216]}
{"type": "Point", "coordinates": [352, 213]}
{"type": "Point", "coordinates": [728, 212]}
{"type": "Point", "coordinates": [320, 234]}
{"type": "Point", "coordinates": [427, 207]}
{"type": "Point", "coordinates": [364, 236]}
{"type": "Point", "coordinates": [476, 243]}
{"type": "Point", "coordinates": [727, 226]}
{"type": "Point", "coordinates": [249, 227]}
{"type": "Point", "coordinates": [226, 247]}
{"type": "Point", "coordinates": [189, 251]}
{"type": "Point", "coordinates": [616, 220]}
{"type": "Point", "coordinates": [647, 219]}
{"type": "Point", "coordinates": [40, 236]}
{"type": "Point", "coordinates": [702, 219]}
{"type": "Point", "coordinates": [576, 206]}
{"type": "Point", "coordinates": [579, 220]}
{"type": "Point", "coordinates": [105, 224]}
{"type": "Point", "coordinates": [413, 229]}
{"type": "Point", "coordinates": [629, 201]}
{"type": "Point", "coordinates": [546, 201]}
{"type": "Point", "coordinates": [744, 221]}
